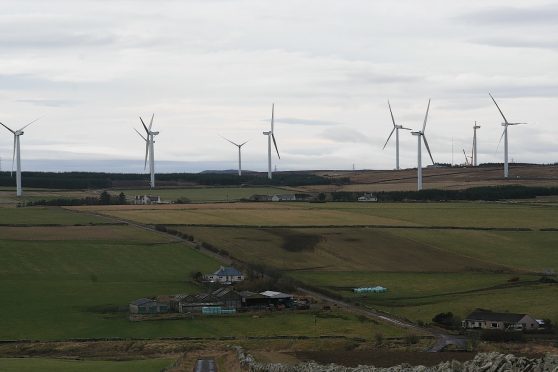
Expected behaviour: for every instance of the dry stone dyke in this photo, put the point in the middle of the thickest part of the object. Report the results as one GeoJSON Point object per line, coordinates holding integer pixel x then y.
{"type": "Point", "coordinates": [484, 362]}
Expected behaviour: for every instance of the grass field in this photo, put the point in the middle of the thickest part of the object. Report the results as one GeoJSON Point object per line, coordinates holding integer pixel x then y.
{"type": "Point", "coordinates": [46, 215]}
{"type": "Point", "coordinates": [61, 365]}
{"type": "Point", "coordinates": [76, 282]}
{"type": "Point", "coordinates": [419, 296]}
{"type": "Point", "coordinates": [204, 194]}
{"type": "Point", "coordinates": [426, 271]}
{"type": "Point", "coordinates": [496, 215]}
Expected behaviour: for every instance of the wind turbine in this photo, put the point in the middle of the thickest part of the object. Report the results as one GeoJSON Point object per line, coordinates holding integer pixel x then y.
{"type": "Point", "coordinates": [149, 150]}
{"type": "Point", "coordinates": [239, 154]}
{"type": "Point", "coordinates": [474, 160]}
{"type": "Point", "coordinates": [271, 136]}
{"type": "Point", "coordinates": [396, 130]}
{"type": "Point", "coordinates": [505, 124]}
{"type": "Point", "coordinates": [421, 137]}
{"type": "Point", "coordinates": [17, 155]}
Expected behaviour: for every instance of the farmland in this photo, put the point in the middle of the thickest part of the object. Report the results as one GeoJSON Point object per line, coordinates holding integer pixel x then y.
{"type": "Point", "coordinates": [497, 215]}
{"type": "Point", "coordinates": [76, 282]}
{"type": "Point", "coordinates": [46, 216]}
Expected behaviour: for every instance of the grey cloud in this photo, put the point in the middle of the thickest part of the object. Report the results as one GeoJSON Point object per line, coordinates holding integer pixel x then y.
{"type": "Point", "coordinates": [49, 102]}
{"type": "Point", "coordinates": [311, 122]}
{"type": "Point", "coordinates": [547, 14]}
{"type": "Point", "coordinates": [518, 43]}
{"type": "Point", "coordinates": [343, 134]}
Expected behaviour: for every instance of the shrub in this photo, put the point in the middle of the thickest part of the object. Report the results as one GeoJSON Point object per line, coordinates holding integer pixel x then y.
{"type": "Point", "coordinates": [411, 339]}
{"type": "Point", "coordinates": [379, 338]}
{"type": "Point", "coordinates": [495, 335]}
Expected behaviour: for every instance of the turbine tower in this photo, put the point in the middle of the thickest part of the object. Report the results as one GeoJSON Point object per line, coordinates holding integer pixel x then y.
{"type": "Point", "coordinates": [271, 136]}
{"type": "Point", "coordinates": [17, 155]}
{"type": "Point", "coordinates": [396, 130]}
{"type": "Point", "coordinates": [239, 154]}
{"type": "Point", "coordinates": [475, 127]}
{"type": "Point", "coordinates": [421, 137]}
{"type": "Point", "coordinates": [149, 149]}
{"type": "Point", "coordinates": [505, 124]}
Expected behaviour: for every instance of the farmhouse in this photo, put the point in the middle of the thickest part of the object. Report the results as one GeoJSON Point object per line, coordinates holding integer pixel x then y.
{"type": "Point", "coordinates": [148, 306]}
{"type": "Point", "coordinates": [482, 319]}
{"type": "Point", "coordinates": [147, 199]}
{"type": "Point", "coordinates": [225, 275]}
{"type": "Point", "coordinates": [367, 197]}
{"type": "Point", "coordinates": [283, 197]}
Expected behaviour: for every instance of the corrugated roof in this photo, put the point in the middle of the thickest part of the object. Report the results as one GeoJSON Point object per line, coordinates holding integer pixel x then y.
{"type": "Point", "coordinates": [495, 317]}
{"type": "Point", "coordinates": [273, 294]}
{"type": "Point", "coordinates": [141, 301]}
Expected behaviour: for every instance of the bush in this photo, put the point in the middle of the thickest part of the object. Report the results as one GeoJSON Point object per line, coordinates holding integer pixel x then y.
{"type": "Point", "coordinates": [412, 339]}
{"type": "Point", "coordinates": [495, 335]}
{"type": "Point", "coordinates": [447, 320]}
{"type": "Point", "coordinates": [379, 338]}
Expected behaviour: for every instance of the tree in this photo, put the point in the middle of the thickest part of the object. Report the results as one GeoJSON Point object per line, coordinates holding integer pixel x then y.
{"type": "Point", "coordinates": [104, 199]}
{"type": "Point", "coordinates": [122, 198]}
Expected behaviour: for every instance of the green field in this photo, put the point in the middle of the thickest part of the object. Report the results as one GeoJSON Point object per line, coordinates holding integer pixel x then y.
{"type": "Point", "coordinates": [46, 215]}
{"type": "Point", "coordinates": [76, 282]}
{"type": "Point", "coordinates": [495, 215]}
{"type": "Point", "coordinates": [427, 271]}
{"type": "Point", "coordinates": [61, 365]}
{"type": "Point", "coordinates": [419, 296]}
{"type": "Point", "coordinates": [205, 194]}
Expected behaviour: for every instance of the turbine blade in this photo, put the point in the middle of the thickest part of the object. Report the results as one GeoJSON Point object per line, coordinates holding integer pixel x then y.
{"type": "Point", "coordinates": [272, 115]}
{"type": "Point", "coordinates": [243, 143]}
{"type": "Point", "coordinates": [391, 112]}
{"type": "Point", "coordinates": [502, 136]}
{"type": "Point", "coordinates": [151, 122]}
{"type": "Point", "coordinates": [25, 126]}
{"type": "Point", "coordinates": [225, 138]}
{"type": "Point", "coordinates": [146, 153]}
{"type": "Point", "coordinates": [426, 116]}
{"type": "Point", "coordinates": [13, 156]}
{"type": "Point", "coordinates": [501, 113]}
{"type": "Point", "coordinates": [385, 144]}
{"type": "Point", "coordinates": [275, 144]}
{"type": "Point", "coordinates": [5, 126]}
{"type": "Point", "coordinates": [427, 148]}
{"type": "Point", "coordinates": [405, 128]}
{"type": "Point", "coordinates": [144, 126]}
{"type": "Point", "coordinates": [140, 134]}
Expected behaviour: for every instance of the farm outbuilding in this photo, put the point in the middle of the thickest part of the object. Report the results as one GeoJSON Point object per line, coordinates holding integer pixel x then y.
{"type": "Point", "coordinates": [481, 319]}
{"type": "Point", "coordinates": [148, 306]}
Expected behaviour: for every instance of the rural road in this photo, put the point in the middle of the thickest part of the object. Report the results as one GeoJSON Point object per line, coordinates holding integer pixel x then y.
{"type": "Point", "coordinates": [205, 365]}
{"type": "Point", "coordinates": [442, 339]}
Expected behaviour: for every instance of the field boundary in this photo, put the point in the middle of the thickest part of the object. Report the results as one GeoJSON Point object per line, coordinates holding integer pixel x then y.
{"type": "Point", "coordinates": [480, 228]}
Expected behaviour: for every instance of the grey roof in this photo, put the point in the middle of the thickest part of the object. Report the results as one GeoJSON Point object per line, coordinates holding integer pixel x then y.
{"type": "Point", "coordinates": [495, 317]}
{"type": "Point", "coordinates": [141, 301]}
{"type": "Point", "coordinates": [227, 271]}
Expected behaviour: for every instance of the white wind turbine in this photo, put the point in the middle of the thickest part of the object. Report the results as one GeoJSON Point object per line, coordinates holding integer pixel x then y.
{"type": "Point", "coordinates": [475, 160]}
{"type": "Point", "coordinates": [149, 150]}
{"type": "Point", "coordinates": [421, 137]}
{"type": "Point", "coordinates": [17, 155]}
{"type": "Point", "coordinates": [505, 124]}
{"type": "Point", "coordinates": [271, 136]}
{"type": "Point", "coordinates": [239, 154]}
{"type": "Point", "coordinates": [396, 130]}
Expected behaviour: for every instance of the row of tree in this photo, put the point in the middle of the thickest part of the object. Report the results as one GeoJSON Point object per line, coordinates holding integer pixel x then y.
{"type": "Point", "coordinates": [88, 180]}
{"type": "Point", "coordinates": [104, 198]}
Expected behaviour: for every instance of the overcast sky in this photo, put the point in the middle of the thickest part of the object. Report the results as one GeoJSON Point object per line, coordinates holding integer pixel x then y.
{"type": "Point", "coordinates": [208, 68]}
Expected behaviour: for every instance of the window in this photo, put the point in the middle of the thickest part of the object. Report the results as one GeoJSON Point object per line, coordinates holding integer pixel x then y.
{"type": "Point", "coordinates": [494, 325]}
